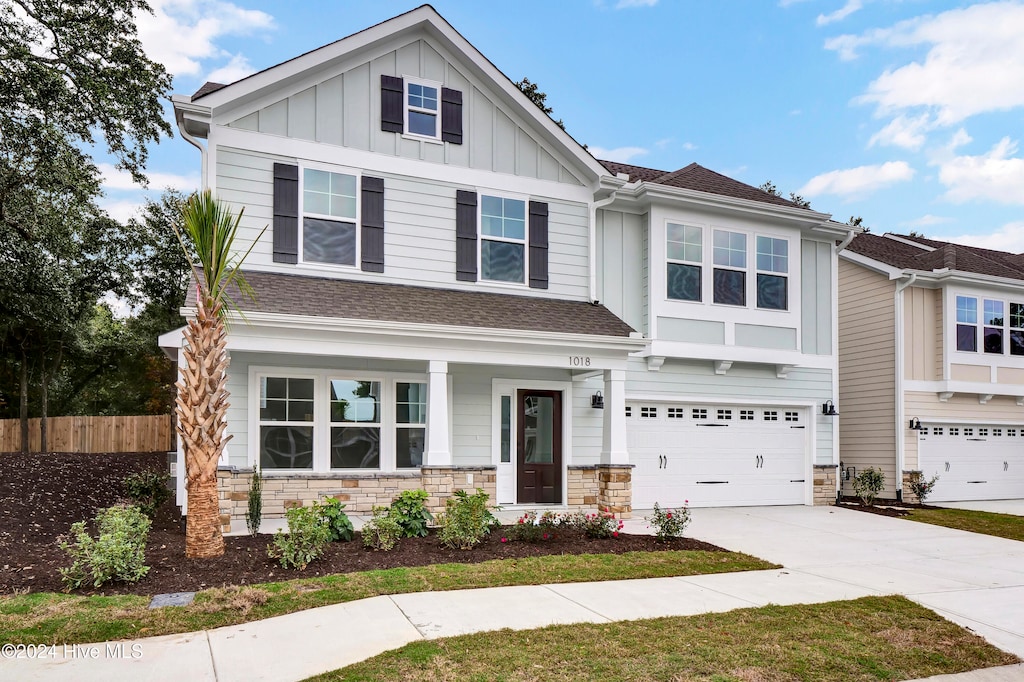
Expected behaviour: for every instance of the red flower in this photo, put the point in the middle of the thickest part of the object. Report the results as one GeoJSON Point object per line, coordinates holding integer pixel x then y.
{"type": "Point", "coordinates": [669, 515]}
{"type": "Point", "coordinates": [545, 536]}
{"type": "Point", "coordinates": [504, 539]}
{"type": "Point", "coordinates": [615, 534]}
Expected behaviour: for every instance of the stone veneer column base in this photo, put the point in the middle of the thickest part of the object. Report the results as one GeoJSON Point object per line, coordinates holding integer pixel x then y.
{"type": "Point", "coordinates": [910, 476]}
{"type": "Point", "coordinates": [441, 482]}
{"type": "Point", "coordinates": [582, 486]}
{"type": "Point", "coordinates": [615, 490]}
{"type": "Point", "coordinates": [825, 478]}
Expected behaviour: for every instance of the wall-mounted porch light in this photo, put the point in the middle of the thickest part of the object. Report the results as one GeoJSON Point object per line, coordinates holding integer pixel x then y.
{"type": "Point", "coordinates": [597, 401]}
{"type": "Point", "coordinates": [915, 424]}
{"type": "Point", "coordinates": [829, 409]}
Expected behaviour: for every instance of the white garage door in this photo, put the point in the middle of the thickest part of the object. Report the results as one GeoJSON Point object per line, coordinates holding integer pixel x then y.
{"type": "Point", "coordinates": [973, 462]}
{"type": "Point", "coordinates": [715, 455]}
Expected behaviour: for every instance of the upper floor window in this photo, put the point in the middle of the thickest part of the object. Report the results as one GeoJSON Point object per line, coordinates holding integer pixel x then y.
{"type": "Point", "coordinates": [685, 254]}
{"type": "Point", "coordinates": [995, 326]}
{"type": "Point", "coordinates": [421, 108]}
{"type": "Point", "coordinates": [772, 267]}
{"type": "Point", "coordinates": [730, 275]}
{"type": "Point", "coordinates": [502, 239]}
{"type": "Point", "coordinates": [329, 212]}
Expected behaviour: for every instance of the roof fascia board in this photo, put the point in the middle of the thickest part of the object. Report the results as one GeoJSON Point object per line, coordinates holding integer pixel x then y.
{"type": "Point", "coordinates": [933, 277]}
{"type": "Point", "coordinates": [908, 242]}
{"type": "Point", "coordinates": [890, 271]}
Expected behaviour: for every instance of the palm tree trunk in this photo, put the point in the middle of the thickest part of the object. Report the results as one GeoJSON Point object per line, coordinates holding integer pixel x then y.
{"type": "Point", "coordinates": [202, 408]}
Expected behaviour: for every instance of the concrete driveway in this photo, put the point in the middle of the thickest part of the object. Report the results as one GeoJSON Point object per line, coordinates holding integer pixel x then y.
{"type": "Point", "coordinates": [1015, 507]}
{"type": "Point", "coordinates": [974, 580]}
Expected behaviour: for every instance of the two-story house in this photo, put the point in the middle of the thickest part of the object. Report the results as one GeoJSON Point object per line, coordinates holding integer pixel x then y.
{"type": "Point", "coordinates": [932, 365]}
{"type": "Point", "coordinates": [453, 293]}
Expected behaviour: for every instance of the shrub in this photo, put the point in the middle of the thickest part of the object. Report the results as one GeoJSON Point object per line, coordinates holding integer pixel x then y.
{"type": "Point", "coordinates": [922, 488]}
{"type": "Point", "coordinates": [147, 490]}
{"type": "Point", "coordinates": [117, 553]}
{"type": "Point", "coordinates": [669, 523]}
{"type": "Point", "coordinates": [254, 514]}
{"type": "Point", "coordinates": [530, 528]}
{"type": "Point", "coordinates": [338, 524]}
{"type": "Point", "coordinates": [305, 541]}
{"type": "Point", "coordinates": [597, 526]}
{"type": "Point", "coordinates": [409, 509]}
{"type": "Point", "coordinates": [868, 484]}
{"type": "Point", "coordinates": [466, 520]}
{"type": "Point", "coordinates": [382, 531]}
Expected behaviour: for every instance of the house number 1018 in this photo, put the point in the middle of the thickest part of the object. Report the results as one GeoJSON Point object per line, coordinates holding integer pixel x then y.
{"type": "Point", "coordinates": [579, 361]}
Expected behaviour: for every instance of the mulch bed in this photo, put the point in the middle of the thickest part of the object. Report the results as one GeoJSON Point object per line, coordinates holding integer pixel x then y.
{"type": "Point", "coordinates": [883, 507]}
{"type": "Point", "coordinates": [41, 495]}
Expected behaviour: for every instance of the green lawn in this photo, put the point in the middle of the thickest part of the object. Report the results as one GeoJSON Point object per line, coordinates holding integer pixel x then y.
{"type": "Point", "coordinates": [48, 618]}
{"type": "Point", "coordinates": [1000, 525]}
{"type": "Point", "coordinates": [874, 638]}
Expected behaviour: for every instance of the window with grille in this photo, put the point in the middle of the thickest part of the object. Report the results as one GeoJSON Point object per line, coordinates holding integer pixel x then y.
{"type": "Point", "coordinates": [725, 414]}
{"type": "Point", "coordinates": [771, 416]}
{"type": "Point", "coordinates": [937, 431]}
{"type": "Point", "coordinates": [648, 412]}
{"type": "Point", "coordinates": [953, 431]}
{"type": "Point", "coordinates": [746, 415]}
{"type": "Point", "coordinates": [629, 411]}
{"type": "Point", "coordinates": [699, 413]}
{"type": "Point", "coordinates": [676, 413]}
{"type": "Point", "coordinates": [792, 416]}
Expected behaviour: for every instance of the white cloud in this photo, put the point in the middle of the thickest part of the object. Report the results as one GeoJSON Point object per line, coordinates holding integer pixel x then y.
{"type": "Point", "coordinates": [237, 69]}
{"type": "Point", "coordinates": [926, 220]}
{"type": "Point", "coordinates": [625, 4]}
{"type": "Point", "coordinates": [182, 33]}
{"type": "Point", "coordinates": [860, 181]}
{"type": "Point", "coordinates": [122, 210]}
{"type": "Point", "coordinates": [620, 154]}
{"type": "Point", "coordinates": [846, 10]}
{"type": "Point", "coordinates": [689, 146]}
{"type": "Point", "coordinates": [997, 175]}
{"type": "Point", "coordinates": [903, 131]}
{"type": "Point", "coordinates": [113, 179]}
{"type": "Point", "coordinates": [1009, 237]}
{"type": "Point", "coordinates": [974, 63]}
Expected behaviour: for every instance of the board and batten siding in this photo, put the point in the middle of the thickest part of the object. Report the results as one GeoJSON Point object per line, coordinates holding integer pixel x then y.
{"type": "Point", "coordinates": [922, 334]}
{"type": "Point", "coordinates": [816, 297]}
{"type": "Point", "coordinates": [926, 406]}
{"type": "Point", "coordinates": [620, 264]}
{"type": "Point", "coordinates": [343, 109]}
{"type": "Point", "coordinates": [682, 381]}
{"type": "Point", "coordinates": [419, 230]}
{"type": "Point", "coordinates": [867, 371]}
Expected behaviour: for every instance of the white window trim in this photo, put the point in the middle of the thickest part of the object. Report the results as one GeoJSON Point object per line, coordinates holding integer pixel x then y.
{"type": "Point", "coordinates": [329, 168]}
{"type": "Point", "coordinates": [525, 241]}
{"type": "Point", "coordinates": [745, 269]}
{"type": "Point", "coordinates": [322, 416]}
{"type": "Point", "coordinates": [980, 357]}
{"type": "Point", "coordinates": [396, 425]}
{"type": "Point", "coordinates": [702, 263]}
{"type": "Point", "coordinates": [406, 107]}
{"type": "Point", "coordinates": [759, 271]}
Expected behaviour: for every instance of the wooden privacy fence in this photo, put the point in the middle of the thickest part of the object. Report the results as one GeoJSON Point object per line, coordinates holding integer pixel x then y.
{"type": "Point", "coordinates": [147, 433]}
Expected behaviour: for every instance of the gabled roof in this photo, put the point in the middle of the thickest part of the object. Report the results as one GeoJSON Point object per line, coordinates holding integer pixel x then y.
{"type": "Point", "coordinates": [347, 299]}
{"type": "Point", "coordinates": [698, 178]}
{"type": "Point", "coordinates": [206, 88]}
{"type": "Point", "coordinates": [918, 253]}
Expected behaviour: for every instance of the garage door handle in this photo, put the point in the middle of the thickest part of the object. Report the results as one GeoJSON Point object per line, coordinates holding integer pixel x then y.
{"type": "Point", "coordinates": [1006, 466]}
{"type": "Point", "coordinates": [798, 480]}
{"type": "Point", "coordinates": [977, 481]}
{"type": "Point", "coordinates": [711, 482]}
{"type": "Point", "coordinates": [947, 466]}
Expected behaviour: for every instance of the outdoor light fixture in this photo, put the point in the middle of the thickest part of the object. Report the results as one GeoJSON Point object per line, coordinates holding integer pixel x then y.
{"type": "Point", "coordinates": [915, 424]}
{"type": "Point", "coordinates": [597, 401]}
{"type": "Point", "coordinates": [829, 409]}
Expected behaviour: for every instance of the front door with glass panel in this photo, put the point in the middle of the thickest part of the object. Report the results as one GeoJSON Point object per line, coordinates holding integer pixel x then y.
{"type": "Point", "coordinates": [539, 447]}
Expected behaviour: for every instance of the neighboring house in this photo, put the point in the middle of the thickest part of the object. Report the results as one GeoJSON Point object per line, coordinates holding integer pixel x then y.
{"type": "Point", "coordinates": [932, 365]}
{"type": "Point", "coordinates": [453, 293]}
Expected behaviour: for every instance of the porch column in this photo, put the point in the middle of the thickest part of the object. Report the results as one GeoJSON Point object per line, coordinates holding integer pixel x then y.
{"type": "Point", "coordinates": [613, 444]}
{"type": "Point", "coordinates": [437, 453]}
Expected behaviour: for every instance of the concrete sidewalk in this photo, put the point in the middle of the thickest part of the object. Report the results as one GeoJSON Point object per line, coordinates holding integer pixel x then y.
{"type": "Point", "coordinates": [830, 554]}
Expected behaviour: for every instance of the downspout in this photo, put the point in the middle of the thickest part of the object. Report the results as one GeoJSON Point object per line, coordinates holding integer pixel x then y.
{"type": "Point", "coordinates": [593, 242]}
{"type": "Point", "coordinates": [901, 446]}
{"type": "Point", "coordinates": [846, 242]}
{"type": "Point", "coordinates": [195, 143]}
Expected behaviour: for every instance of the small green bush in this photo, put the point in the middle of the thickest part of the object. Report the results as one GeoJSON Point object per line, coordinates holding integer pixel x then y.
{"type": "Point", "coordinates": [868, 484]}
{"type": "Point", "coordinates": [254, 514]}
{"type": "Point", "coordinates": [117, 553]}
{"type": "Point", "coordinates": [922, 488]}
{"type": "Point", "coordinates": [147, 490]}
{"type": "Point", "coordinates": [409, 509]}
{"type": "Point", "coordinates": [669, 523]}
{"type": "Point", "coordinates": [305, 541]}
{"type": "Point", "coordinates": [466, 520]}
{"type": "Point", "coordinates": [382, 531]}
{"type": "Point", "coordinates": [336, 520]}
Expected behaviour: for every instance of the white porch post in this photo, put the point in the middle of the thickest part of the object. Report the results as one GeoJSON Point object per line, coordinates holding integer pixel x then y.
{"type": "Point", "coordinates": [613, 445]}
{"type": "Point", "coordinates": [438, 452]}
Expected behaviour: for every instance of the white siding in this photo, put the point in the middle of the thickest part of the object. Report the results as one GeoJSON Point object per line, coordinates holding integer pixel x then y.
{"type": "Point", "coordinates": [620, 264]}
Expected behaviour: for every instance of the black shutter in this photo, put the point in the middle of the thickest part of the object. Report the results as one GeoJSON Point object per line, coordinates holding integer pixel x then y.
{"type": "Point", "coordinates": [392, 113]}
{"type": "Point", "coordinates": [451, 116]}
{"type": "Point", "coordinates": [465, 236]}
{"type": "Point", "coordinates": [372, 217]}
{"type": "Point", "coordinates": [286, 213]}
{"type": "Point", "coordinates": [538, 245]}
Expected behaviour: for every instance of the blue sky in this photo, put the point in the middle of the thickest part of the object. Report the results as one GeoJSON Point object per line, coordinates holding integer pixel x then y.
{"type": "Point", "coordinates": [905, 112]}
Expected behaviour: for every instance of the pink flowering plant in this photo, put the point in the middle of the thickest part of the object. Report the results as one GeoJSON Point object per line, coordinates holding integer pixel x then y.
{"type": "Point", "coordinates": [597, 526]}
{"type": "Point", "coordinates": [669, 523]}
{"type": "Point", "coordinates": [532, 528]}
{"type": "Point", "coordinates": [922, 488]}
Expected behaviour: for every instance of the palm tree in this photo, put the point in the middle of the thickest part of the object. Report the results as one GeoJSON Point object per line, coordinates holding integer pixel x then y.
{"type": "Point", "coordinates": [209, 227]}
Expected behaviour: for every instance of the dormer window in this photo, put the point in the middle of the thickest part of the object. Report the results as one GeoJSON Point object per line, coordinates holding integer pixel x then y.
{"type": "Point", "coordinates": [422, 108]}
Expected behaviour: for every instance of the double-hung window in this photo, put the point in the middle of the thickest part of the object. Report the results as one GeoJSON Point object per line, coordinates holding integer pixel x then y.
{"type": "Point", "coordinates": [286, 419]}
{"type": "Point", "coordinates": [999, 333]}
{"type": "Point", "coordinates": [410, 424]}
{"type": "Point", "coordinates": [729, 255]}
{"type": "Point", "coordinates": [355, 424]}
{"type": "Point", "coordinates": [502, 239]}
{"type": "Point", "coordinates": [772, 268]}
{"type": "Point", "coordinates": [329, 214]}
{"type": "Point", "coordinates": [422, 108]}
{"type": "Point", "coordinates": [967, 323]}
{"type": "Point", "coordinates": [685, 255]}
{"type": "Point", "coordinates": [1016, 328]}
{"type": "Point", "coordinates": [994, 319]}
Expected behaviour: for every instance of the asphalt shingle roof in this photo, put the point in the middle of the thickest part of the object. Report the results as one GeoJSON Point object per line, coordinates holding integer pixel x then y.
{"type": "Point", "coordinates": [347, 299]}
{"type": "Point", "coordinates": [206, 88]}
{"type": "Point", "coordinates": [938, 256]}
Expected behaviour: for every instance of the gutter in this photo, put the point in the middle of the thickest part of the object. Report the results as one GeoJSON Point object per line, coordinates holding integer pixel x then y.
{"type": "Point", "coordinates": [592, 240]}
{"type": "Point", "coordinates": [195, 143]}
{"type": "Point", "coordinates": [901, 446]}
{"type": "Point", "coordinates": [846, 242]}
